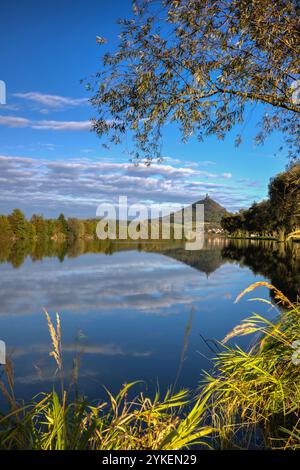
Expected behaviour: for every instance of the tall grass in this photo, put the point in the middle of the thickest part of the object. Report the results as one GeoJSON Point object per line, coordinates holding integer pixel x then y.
{"type": "Point", "coordinates": [255, 395]}
{"type": "Point", "coordinates": [250, 400]}
{"type": "Point", "coordinates": [52, 421]}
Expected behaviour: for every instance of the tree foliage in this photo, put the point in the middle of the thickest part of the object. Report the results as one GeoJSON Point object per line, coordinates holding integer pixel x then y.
{"type": "Point", "coordinates": [16, 227]}
{"type": "Point", "coordinates": [5, 228]}
{"type": "Point", "coordinates": [284, 193]}
{"type": "Point", "coordinates": [18, 223]}
{"type": "Point", "coordinates": [63, 224]}
{"type": "Point", "coordinates": [199, 63]}
{"type": "Point", "coordinates": [278, 216]}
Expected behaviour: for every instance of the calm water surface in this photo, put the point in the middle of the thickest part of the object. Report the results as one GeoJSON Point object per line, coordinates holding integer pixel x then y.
{"type": "Point", "coordinates": [150, 312]}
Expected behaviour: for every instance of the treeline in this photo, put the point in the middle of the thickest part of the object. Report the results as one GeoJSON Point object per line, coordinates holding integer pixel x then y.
{"type": "Point", "coordinates": [276, 217]}
{"type": "Point", "coordinates": [15, 226]}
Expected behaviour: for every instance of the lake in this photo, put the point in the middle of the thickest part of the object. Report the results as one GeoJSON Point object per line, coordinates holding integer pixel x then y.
{"type": "Point", "coordinates": [152, 312]}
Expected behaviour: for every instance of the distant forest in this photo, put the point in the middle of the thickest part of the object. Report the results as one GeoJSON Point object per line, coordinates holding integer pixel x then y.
{"type": "Point", "coordinates": [16, 227]}
{"type": "Point", "coordinates": [277, 217]}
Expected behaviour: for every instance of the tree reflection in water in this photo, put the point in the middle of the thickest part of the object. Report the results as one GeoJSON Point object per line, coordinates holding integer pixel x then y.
{"type": "Point", "coordinates": [279, 262]}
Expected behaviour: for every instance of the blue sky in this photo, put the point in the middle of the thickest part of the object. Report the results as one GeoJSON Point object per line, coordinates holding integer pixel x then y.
{"type": "Point", "coordinates": [50, 161]}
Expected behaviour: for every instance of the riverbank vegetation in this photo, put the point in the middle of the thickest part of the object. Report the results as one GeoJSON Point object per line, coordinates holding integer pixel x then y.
{"type": "Point", "coordinates": [277, 217]}
{"type": "Point", "coordinates": [256, 398]}
{"type": "Point", "coordinates": [15, 226]}
{"type": "Point", "coordinates": [53, 421]}
{"type": "Point", "coordinates": [250, 400]}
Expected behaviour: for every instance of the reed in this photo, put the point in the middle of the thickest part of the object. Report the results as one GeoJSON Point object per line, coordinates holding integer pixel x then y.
{"type": "Point", "coordinates": [53, 422]}
{"type": "Point", "coordinates": [255, 394]}
{"type": "Point", "coordinates": [49, 423]}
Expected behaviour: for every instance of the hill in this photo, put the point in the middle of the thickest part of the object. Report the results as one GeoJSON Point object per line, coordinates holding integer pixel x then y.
{"type": "Point", "coordinates": [213, 211]}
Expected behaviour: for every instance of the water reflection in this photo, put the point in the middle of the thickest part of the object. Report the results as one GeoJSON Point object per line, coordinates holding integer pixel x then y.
{"type": "Point", "coordinates": [279, 262]}
{"type": "Point", "coordinates": [147, 311]}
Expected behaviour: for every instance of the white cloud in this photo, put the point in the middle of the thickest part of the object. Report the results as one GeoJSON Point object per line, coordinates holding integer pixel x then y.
{"type": "Point", "coordinates": [62, 125]}
{"type": "Point", "coordinates": [52, 101]}
{"type": "Point", "coordinates": [78, 186]}
{"type": "Point", "coordinates": [12, 121]}
{"type": "Point", "coordinates": [188, 163]}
